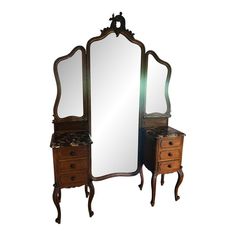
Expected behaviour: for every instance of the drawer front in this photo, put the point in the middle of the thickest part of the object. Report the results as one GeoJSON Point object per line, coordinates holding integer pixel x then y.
{"type": "Point", "coordinates": [73, 179]}
{"type": "Point", "coordinates": [72, 152]}
{"type": "Point", "coordinates": [170, 154]}
{"type": "Point", "coordinates": [168, 166]}
{"type": "Point", "coordinates": [171, 142]}
{"type": "Point", "coordinates": [71, 165]}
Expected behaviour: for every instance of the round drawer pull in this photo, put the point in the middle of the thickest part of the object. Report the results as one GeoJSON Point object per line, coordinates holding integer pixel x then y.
{"type": "Point", "coordinates": [169, 166]}
{"type": "Point", "coordinates": [171, 143]}
{"type": "Point", "coordinates": [72, 166]}
{"type": "Point", "coordinates": [72, 178]}
{"type": "Point", "coordinates": [73, 153]}
{"type": "Point", "coordinates": [170, 154]}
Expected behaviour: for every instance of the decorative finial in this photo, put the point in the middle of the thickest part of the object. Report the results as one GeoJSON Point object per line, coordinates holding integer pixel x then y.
{"type": "Point", "coordinates": [118, 29]}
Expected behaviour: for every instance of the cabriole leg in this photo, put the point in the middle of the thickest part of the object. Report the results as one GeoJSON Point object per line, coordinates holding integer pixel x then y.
{"type": "Point", "coordinates": [56, 199]}
{"type": "Point", "coordinates": [179, 181]}
{"type": "Point", "coordinates": [91, 194]}
{"type": "Point", "coordinates": [162, 179]}
{"type": "Point", "coordinates": [142, 179]}
{"type": "Point", "coordinates": [86, 191]}
{"type": "Point", "coordinates": [153, 184]}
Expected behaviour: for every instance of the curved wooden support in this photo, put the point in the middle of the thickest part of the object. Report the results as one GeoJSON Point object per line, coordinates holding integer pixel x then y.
{"type": "Point", "coordinates": [59, 195]}
{"type": "Point", "coordinates": [162, 179]}
{"type": "Point", "coordinates": [179, 181]}
{"type": "Point", "coordinates": [142, 179]}
{"type": "Point", "coordinates": [91, 194]}
{"type": "Point", "coordinates": [56, 199]}
{"type": "Point", "coordinates": [153, 184]}
{"type": "Point", "coordinates": [86, 191]}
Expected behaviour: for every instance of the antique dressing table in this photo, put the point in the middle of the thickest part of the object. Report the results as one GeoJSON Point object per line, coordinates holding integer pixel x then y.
{"type": "Point", "coordinates": [111, 114]}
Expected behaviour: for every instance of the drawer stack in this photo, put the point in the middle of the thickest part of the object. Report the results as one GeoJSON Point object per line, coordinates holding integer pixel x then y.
{"type": "Point", "coordinates": [71, 166]}
{"type": "Point", "coordinates": [169, 154]}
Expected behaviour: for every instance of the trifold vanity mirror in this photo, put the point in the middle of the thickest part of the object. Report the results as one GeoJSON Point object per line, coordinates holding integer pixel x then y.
{"type": "Point", "coordinates": [111, 114]}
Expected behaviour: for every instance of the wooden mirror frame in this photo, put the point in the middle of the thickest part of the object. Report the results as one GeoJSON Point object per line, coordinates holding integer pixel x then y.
{"type": "Point", "coordinates": [130, 36]}
{"type": "Point", "coordinates": [168, 67]}
{"type": "Point", "coordinates": [83, 124]}
{"type": "Point", "coordinates": [69, 123]}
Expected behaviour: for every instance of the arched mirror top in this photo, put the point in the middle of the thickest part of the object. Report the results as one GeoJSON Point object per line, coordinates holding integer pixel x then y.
{"type": "Point", "coordinates": [117, 27]}
{"type": "Point", "coordinates": [69, 71]}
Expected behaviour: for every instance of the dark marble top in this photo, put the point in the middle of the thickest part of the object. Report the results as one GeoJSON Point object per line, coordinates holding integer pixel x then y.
{"type": "Point", "coordinates": [70, 139]}
{"type": "Point", "coordinates": [164, 132]}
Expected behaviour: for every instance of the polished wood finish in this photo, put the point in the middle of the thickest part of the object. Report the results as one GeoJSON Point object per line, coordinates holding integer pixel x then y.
{"type": "Point", "coordinates": [73, 179]}
{"type": "Point", "coordinates": [153, 185]}
{"type": "Point", "coordinates": [71, 169]}
{"type": "Point", "coordinates": [65, 165]}
{"type": "Point", "coordinates": [170, 154]}
{"type": "Point", "coordinates": [71, 166]}
{"type": "Point", "coordinates": [56, 199]}
{"type": "Point", "coordinates": [71, 153]}
{"type": "Point", "coordinates": [179, 181]}
{"type": "Point", "coordinates": [162, 179]}
{"type": "Point", "coordinates": [169, 142]}
{"type": "Point", "coordinates": [163, 155]}
{"type": "Point", "coordinates": [86, 191]}
{"type": "Point", "coordinates": [142, 179]}
{"type": "Point", "coordinates": [153, 122]}
{"type": "Point", "coordinates": [168, 166]}
{"type": "Point", "coordinates": [67, 126]}
{"type": "Point", "coordinates": [91, 194]}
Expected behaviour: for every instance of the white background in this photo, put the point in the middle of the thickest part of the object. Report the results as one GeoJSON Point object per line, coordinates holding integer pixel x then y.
{"type": "Point", "coordinates": [198, 39]}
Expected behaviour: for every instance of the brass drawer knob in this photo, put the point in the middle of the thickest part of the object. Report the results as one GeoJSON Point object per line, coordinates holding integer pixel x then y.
{"type": "Point", "coordinates": [72, 178]}
{"type": "Point", "coordinates": [169, 154]}
{"type": "Point", "coordinates": [72, 153]}
{"type": "Point", "coordinates": [171, 143]}
{"type": "Point", "coordinates": [169, 166]}
{"type": "Point", "coordinates": [72, 166]}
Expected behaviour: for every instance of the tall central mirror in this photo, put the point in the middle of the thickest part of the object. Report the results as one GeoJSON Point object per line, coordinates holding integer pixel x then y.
{"type": "Point", "coordinates": [115, 70]}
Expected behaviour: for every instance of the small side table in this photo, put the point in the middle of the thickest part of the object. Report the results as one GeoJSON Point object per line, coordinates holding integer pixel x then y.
{"type": "Point", "coordinates": [163, 155]}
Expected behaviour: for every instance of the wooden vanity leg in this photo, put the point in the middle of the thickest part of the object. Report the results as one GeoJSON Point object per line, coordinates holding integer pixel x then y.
{"type": "Point", "coordinates": [56, 199]}
{"type": "Point", "coordinates": [153, 184]}
{"type": "Point", "coordinates": [142, 179]}
{"type": "Point", "coordinates": [162, 179]}
{"type": "Point", "coordinates": [179, 181]}
{"type": "Point", "coordinates": [86, 190]}
{"type": "Point", "coordinates": [91, 194]}
{"type": "Point", "coordinates": [59, 195]}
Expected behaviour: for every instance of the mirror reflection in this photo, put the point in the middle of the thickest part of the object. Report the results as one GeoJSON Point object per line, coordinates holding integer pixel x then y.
{"type": "Point", "coordinates": [115, 83]}
{"type": "Point", "coordinates": [70, 73]}
{"type": "Point", "coordinates": [156, 87]}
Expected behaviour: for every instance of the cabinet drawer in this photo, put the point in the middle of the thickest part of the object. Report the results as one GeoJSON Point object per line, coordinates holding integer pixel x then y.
{"type": "Point", "coordinates": [171, 142]}
{"type": "Point", "coordinates": [71, 165]}
{"type": "Point", "coordinates": [72, 152]}
{"type": "Point", "coordinates": [73, 179]}
{"type": "Point", "coordinates": [170, 154]}
{"type": "Point", "coordinates": [168, 166]}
